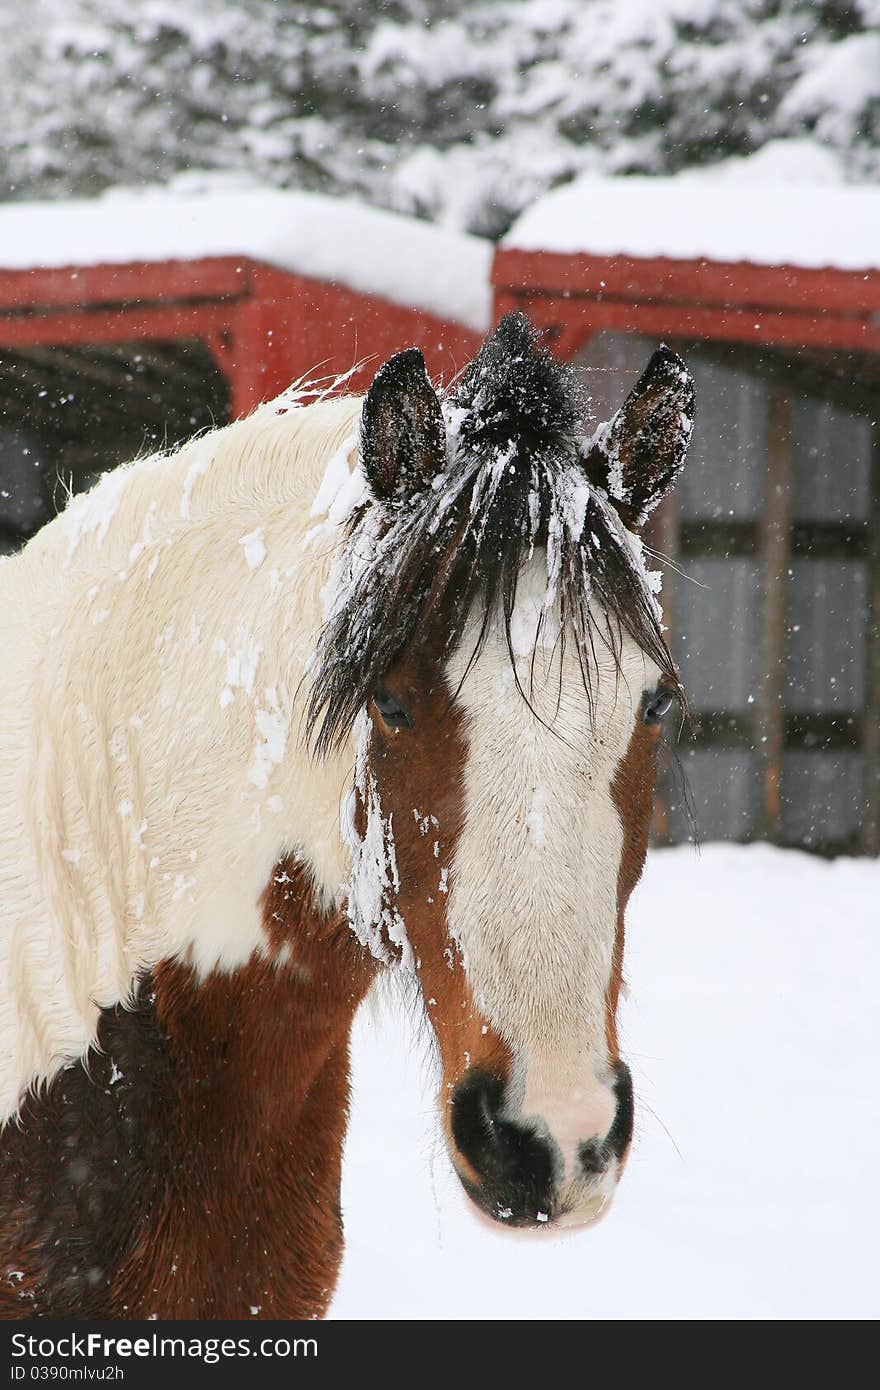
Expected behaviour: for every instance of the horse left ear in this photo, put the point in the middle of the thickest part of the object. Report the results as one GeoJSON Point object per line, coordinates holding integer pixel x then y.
{"type": "Point", "coordinates": [637, 456]}
{"type": "Point", "coordinates": [403, 437]}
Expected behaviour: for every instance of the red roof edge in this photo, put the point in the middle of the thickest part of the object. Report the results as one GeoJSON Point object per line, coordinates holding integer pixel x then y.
{"type": "Point", "coordinates": [697, 299]}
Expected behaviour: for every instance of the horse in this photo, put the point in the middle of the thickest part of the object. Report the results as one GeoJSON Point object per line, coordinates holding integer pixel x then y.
{"type": "Point", "coordinates": [352, 685]}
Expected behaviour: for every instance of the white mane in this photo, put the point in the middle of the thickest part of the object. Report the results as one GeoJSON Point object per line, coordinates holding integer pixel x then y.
{"type": "Point", "coordinates": [152, 758]}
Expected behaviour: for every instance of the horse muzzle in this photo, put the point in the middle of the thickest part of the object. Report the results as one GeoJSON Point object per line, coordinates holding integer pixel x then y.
{"type": "Point", "coordinates": [531, 1170]}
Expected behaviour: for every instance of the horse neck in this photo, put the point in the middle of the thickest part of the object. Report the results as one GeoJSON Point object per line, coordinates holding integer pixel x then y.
{"type": "Point", "coordinates": [257, 1090]}
{"type": "Point", "coordinates": [177, 610]}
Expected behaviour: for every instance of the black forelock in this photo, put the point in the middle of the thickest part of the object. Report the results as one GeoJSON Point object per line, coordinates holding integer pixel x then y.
{"type": "Point", "coordinates": [514, 481]}
{"type": "Point", "coordinates": [514, 391]}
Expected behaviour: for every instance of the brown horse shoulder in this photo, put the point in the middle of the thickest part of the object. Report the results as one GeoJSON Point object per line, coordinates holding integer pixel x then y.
{"type": "Point", "coordinates": [191, 1166]}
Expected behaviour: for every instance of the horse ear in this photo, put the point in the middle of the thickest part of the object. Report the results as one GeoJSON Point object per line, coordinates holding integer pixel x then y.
{"type": "Point", "coordinates": [403, 437]}
{"type": "Point", "coordinates": [637, 456]}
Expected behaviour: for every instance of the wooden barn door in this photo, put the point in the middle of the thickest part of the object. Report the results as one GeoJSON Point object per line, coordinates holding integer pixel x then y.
{"type": "Point", "coordinates": [773, 605]}
{"type": "Point", "coordinates": [68, 414]}
{"type": "Point", "coordinates": [830, 636]}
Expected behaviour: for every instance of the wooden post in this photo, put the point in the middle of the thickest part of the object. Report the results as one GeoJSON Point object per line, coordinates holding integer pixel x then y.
{"type": "Point", "coordinates": [871, 724]}
{"type": "Point", "coordinates": [774, 560]}
{"type": "Point", "coordinates": [252, 328]}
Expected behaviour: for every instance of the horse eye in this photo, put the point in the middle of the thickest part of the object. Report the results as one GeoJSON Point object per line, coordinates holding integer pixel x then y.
{"type": "Point", "coordinates": [657, 706]}
{"type": "Point", "coordinates": [391, 710]}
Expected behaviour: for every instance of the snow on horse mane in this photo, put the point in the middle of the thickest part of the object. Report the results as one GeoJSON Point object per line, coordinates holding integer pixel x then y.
{"type": "Point", "coordinates": [154, 639]}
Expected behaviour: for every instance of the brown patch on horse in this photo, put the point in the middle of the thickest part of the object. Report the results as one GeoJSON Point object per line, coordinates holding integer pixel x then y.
{"type": "Point", "coordinates": [633, 794]}
{"type": "Point", "coordinates": [422, 770]}
{"type": "Point", "coordinates": [191, 1169]}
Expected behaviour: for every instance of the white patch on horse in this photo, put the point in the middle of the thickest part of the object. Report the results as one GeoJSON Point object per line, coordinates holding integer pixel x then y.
{"type": "Point", "coordinates": [146, 537]}
{"type": "Point", "coordinates": [92, 512]}
{"type": "Point", "coordinates": [343, 488]}
{"type": "Point", "coordinates": [533, 893]}
{"type": "Point", "coordinates": [373, 883]}
{"type": "Point", "coordinates": [182, 873]}
{"type": "Point", "coordinates": [241, 665]}
{"type": "Point", "coordinates": [359, 555]}
{"type": "Point", "coordinates": [201, 458]}
{"type": "Point", "coordinates": [272, 728]}
{"type": "Point", "coordinates": [254, 548]}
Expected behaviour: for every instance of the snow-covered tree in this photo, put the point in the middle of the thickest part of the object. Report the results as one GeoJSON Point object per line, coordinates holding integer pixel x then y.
{"type": "Point", "coordinates": [460, 112]}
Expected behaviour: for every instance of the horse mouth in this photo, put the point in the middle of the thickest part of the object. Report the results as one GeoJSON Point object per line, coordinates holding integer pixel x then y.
{"type": "Point", "coordinates": [574, 1209]}
{"type": "Point", "coordinates": [509, 1210]}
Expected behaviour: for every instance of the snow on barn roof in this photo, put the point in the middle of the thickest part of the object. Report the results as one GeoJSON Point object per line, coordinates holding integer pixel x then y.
{"type": "Point", "coordinates": [383, 253]}
{"type": "Point", "coordinates": [703, 216]}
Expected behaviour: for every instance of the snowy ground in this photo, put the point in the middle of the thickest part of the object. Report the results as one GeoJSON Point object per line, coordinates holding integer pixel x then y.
{"type": "Point", "coordinates": [752, 1188]}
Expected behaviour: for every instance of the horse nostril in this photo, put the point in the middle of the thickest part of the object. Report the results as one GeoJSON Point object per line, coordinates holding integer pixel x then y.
{"type": "Point", "coordinates": [514, 1165]}
{"type": "Point", "coordinates": [619, 1136]}
{"type": "Point", "coordinates": [477, 1096]}
{"type": "Point", "coordinates": [592, 1157]}
{"type": "Point", "coordinates": [597, 1155]}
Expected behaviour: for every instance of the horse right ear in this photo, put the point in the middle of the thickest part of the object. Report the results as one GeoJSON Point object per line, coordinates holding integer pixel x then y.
{"type": "Point", "coordinates": [403, 437]}
{"type": "Point", "coordinates": [637, 456]}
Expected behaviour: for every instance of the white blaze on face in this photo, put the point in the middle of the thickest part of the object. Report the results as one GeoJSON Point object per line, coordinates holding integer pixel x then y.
{"type": "Point", "coordinates": [533, 892]}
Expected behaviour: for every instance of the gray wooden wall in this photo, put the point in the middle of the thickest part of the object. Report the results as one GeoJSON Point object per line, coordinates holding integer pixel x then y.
{"type": "Point", "coordinates": [774, 616]}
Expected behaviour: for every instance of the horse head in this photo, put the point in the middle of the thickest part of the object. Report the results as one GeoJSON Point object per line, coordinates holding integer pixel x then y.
{"type": "Point", "coordinates": [495, 643]}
